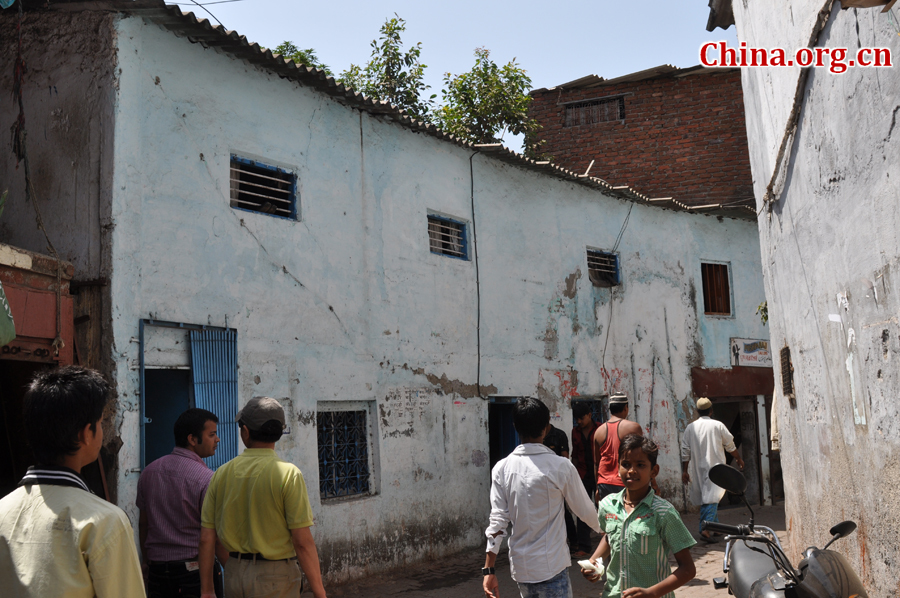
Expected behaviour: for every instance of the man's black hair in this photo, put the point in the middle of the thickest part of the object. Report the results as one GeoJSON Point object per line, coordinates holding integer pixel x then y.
{"type": "Point", "coordinates": [636, 441]}
{"type": "Point", "coordinates": [191, 423]}
{"type": "Point", "coordinates": [58, 405]}
{"type": "Point", "coordinates": [704, 412]}
{"type": "Point", "coordinates": [270, 431]}
{"type": "Point", "coordinates": [580, 409]}
{"type": "Point", "coordinates": [617, 408]}
{"type": "Point", "coordinates": [530, 417]}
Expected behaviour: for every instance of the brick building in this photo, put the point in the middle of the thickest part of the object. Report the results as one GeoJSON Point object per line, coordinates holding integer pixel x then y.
{"type": "Point", "coordinates": [666, 132]}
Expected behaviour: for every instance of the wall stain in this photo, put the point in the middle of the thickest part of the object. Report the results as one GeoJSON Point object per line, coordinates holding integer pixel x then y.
{"type": "Point", "coordinates": [571, 287]}
{"type": "Point", "coordinates": [479, 458]}
{"type": "Point", "coordinates": [306, 418]}
{"type": "Point", "coordinates": [551, 342]}
{"type": "Point", "coordinates": [448, 386]}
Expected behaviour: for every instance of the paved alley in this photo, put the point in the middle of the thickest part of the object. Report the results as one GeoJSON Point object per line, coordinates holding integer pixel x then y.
{"type": "Point", "coordinates": [458, 575]}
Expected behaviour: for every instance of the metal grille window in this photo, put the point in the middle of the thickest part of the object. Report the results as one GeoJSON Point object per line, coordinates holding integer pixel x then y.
{"type": "Point", "coordinates": [597, 111]}
{"type": "Point", "coordinates": [262, 188]}
{"type": "Point", "coordinates": [447, 237]}
{"type": "Point", "coordinates": [603, 268]}
{"type": "Point", "coordinates": [598, 408]}
{"type": "Point", "coordinates": [787, 373]}
{"type": "Point", "coordinates": [716, 291]}
{"type": "Point", "coordinates": [343, 453]}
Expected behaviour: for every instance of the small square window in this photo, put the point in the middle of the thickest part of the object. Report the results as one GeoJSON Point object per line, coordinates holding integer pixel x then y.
{"type": "Point", "coordinates": [595, 111]}
{"type": "Point", "coordinates": [447, 237]}
{"type": "Point", "coordinates": [603, 268]}
{"type": "Point", "coordinates": [716, 290]}
{"type": "Point", "coordinates": [343, 440]}
{"type": "Point", "coordinates": [258, 187]}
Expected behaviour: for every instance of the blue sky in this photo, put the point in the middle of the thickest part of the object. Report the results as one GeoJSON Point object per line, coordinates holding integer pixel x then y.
{"type": "Point", "coordinates": [555, 42]}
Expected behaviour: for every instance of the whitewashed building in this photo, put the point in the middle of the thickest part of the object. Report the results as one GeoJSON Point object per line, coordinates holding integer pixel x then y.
{"type": "Point", "coordinates": [830, 246]}
{"type": "Point", "coordinates": [243, 226]}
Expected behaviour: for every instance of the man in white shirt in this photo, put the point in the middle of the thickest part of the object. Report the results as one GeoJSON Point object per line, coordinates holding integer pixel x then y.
{"type": "Point", "coordinates": [704, 445]}
{"type": "Point", "coordinates": [529, 489]}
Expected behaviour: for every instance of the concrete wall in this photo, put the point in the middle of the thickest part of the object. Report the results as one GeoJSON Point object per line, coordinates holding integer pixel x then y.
{"type": "Point", "coordinates": [347, 306]}
{"type": "Point", "coordinates": [830, 254]}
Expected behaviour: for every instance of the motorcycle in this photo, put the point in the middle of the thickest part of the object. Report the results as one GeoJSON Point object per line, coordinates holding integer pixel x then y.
{"type": "Point", "coordinates": [757, 567]}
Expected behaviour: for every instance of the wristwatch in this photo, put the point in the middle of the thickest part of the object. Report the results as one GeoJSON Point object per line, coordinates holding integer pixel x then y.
{"type": "Point", "coordinates": [488, 571]}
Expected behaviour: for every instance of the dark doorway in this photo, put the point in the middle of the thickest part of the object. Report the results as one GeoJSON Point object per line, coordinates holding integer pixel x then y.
{"type": "Point", "coordinates": [167, 395]}
{"type": "Point", "coordinates": [739, 416]}
{"type": "Point", "coordinates": [15, 454]}
{"type": "Point", "coordinates": [502, 435]}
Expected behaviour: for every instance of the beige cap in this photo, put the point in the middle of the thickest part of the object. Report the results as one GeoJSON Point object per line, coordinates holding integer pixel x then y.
{"type": "Point", "coordinates": [703, 404]}
{"type": "Point", "coordinates": [260, 410]}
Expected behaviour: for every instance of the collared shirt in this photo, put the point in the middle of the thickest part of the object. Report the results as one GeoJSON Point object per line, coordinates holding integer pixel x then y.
{"type": "Point", "coordinates": [704, 444]}
{"type": "Point", "coordinates": [583, 451]}
{"type": "Point", "coordinates": [529, 489]}
{"type": "Point", "coordinates": [640, 542]}
{"type": "Point", "coordinates": [170, 492]}
{"type": "Point", "coordinates": [253, 502]}
{"type": "Point", "coordinates": [59, 540]}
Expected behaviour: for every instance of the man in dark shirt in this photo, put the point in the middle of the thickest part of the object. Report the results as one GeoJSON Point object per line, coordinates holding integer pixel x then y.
{"type": "Point", "coordinates": [583, 459]}
{"type": "Point", "coordinates": [557, 441]}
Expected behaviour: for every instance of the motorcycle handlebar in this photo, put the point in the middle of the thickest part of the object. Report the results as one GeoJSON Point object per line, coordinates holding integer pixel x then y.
{"type": "Point", "coordinates": [714, 526]}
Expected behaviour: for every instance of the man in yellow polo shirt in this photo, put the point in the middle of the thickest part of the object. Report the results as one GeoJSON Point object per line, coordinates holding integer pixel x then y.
{"type": "Point", "coordinates": [258, 508]}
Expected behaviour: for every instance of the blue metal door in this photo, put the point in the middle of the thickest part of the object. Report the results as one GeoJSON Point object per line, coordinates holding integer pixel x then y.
{"type": "Point", "coordinates": [502, 436]}
{"type": "Point", "coordinates": [214, 366]}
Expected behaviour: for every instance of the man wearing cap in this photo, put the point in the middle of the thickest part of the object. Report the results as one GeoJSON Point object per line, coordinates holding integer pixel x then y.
{"type": "Point", "coordinates": [258, 508]}
{"type": "Point", "coordinates": [703, 446]}
{"type": "Point", "coordinates": [606, 446]}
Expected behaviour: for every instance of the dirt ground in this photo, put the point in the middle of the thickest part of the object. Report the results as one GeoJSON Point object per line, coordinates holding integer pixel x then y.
{"type": "Point", "coordinates": [459, 575]}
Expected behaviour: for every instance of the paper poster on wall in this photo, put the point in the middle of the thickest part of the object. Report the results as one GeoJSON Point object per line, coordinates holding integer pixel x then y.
{"type": "Point", "coordinates": [750, 352]}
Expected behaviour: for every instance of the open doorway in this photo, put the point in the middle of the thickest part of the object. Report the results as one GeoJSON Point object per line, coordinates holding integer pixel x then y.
{"type": "Point", "coordinates": [740, 417]}
{"type": "Point", "coordinates": [15, 454]}
{"type": "Point", "coordinates": [502, 436]}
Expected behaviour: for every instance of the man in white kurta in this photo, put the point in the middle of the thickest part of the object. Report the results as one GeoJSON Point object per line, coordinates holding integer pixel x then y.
{"type": "Point", "coordinates": [703, 446]}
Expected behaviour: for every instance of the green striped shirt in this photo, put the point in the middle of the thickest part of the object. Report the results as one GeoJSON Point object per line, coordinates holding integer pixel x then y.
{"type": "Point", "coordinates": [640, 542]}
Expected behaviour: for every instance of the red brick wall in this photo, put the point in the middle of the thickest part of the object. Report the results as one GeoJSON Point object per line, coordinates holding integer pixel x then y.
{"type": "Point", "coordinates": [682, 137]}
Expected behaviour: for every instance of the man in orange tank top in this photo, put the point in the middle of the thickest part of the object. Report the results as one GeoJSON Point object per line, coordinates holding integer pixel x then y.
{"type": "Point", "coordinates": [606, 446]}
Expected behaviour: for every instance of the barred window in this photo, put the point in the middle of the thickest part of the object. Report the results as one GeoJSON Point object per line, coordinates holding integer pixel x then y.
{"type": "Point", "coordinates": [603, 268]}
{"type": "Point", "coordinates": [447, 237]}
{"type": "Point", "coordinates": [787, 373]}
{"type": "Point", "coordinates": [258, 187]}
{"type": "Point", "coordinates": [343, 441]}
{"type": "Point", "coordinates": [716, 289]}
{"type": "Point", "coordinates": [596, 111]}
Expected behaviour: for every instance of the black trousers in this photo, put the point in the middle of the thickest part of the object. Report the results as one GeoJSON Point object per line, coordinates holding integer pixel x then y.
{"type": "Point", "coordinates": [173, 580]}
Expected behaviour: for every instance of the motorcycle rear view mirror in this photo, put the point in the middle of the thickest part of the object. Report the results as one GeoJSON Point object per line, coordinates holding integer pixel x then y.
{"type": "Point", "coordinates": [841, 530]}
{"type": "Point", "coordinates": [730, 479]}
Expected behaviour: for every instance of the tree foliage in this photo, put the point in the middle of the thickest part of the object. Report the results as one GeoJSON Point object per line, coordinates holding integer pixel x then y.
{"type": "Point", "coordinates": [484, 103]}
{"type": "Point", "coordinates": [305, 57]}
{"type": "Point", "coordinates": [392, 74]}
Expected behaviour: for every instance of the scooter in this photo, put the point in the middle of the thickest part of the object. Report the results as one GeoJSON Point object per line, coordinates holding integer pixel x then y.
{"type": "Point", "coordinates": [757, 567]}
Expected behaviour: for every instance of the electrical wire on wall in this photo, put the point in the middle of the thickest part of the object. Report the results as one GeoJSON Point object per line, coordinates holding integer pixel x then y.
{"type": "Point", "coordinates": [612, 295]}
{"type": "Point", "coordinates": [477, 278]}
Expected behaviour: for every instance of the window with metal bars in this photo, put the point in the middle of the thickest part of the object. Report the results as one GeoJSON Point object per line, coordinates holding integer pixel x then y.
{"type": "Point", "coordinates": [598, 408]}
{"type": "Point", "coordinates": [258, 187]}
{"type": "Point", "coordinates": [603, 268]}
{"type": "Point", "coordinates": [447, 237]}
{"type": "Point", "coordinates": [343, 440]}
{"type": "Point", "coordinates": [716, 290]}
{"type": "Point", "coordinates": [596, 111]}
{"type": "Point", "coordinates": [787, 373]}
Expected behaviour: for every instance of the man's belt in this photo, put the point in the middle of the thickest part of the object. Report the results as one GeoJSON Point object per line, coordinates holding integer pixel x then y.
{"type": "Point", "coordinates": [254, 556]}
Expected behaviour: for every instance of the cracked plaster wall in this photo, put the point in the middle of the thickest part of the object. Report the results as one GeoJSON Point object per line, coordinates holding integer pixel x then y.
{"type": "Point", "coordinates": [830, 260]}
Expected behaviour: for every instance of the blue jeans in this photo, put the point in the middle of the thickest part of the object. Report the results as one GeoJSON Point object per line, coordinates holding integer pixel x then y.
{"type": "Point", "coordinates": [709, 512]}
{"type": "Point", "coordinates": [555, 587]}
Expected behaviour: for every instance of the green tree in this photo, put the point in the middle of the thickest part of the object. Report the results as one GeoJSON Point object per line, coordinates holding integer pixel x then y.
{"type": "Point", "coordinates": [392, 74]}
{"type": "Point", "coordinates": [305, 57]}
{"type": "Point", "coordinates": [484, 103]}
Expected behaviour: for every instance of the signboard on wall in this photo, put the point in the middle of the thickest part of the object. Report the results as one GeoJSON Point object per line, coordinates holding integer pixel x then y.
{"type": "Point", "coordinates": [750, 352]}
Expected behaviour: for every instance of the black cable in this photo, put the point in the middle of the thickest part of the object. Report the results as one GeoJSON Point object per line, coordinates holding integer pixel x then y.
{"type": "Point", "coordinates": [477, 279]}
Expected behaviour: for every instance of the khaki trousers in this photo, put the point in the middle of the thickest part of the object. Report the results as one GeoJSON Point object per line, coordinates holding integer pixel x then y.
{"type": "Point", "coordinates": [262, 579]}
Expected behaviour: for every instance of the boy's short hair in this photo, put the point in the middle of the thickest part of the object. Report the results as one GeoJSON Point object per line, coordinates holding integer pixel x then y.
{"type": "Point", "coordinates": [636, 441]}
{"type": "Point", "coordinates": [191, 423]}
{"type": "Point", "coordinates": [58, 405]}
{"type": "Point", "coordinates": [580, 409]}
{"type": "Point", "coordinates": [617, 408]}
{"type": "Point", "coordinates": [530, 417]}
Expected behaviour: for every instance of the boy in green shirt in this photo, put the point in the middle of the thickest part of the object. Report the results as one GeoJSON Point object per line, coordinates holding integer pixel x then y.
{"type": "Point", "coordinates": [641, 530]}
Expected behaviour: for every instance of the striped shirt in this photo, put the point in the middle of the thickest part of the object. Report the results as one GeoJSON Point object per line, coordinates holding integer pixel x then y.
{"type": "Point", "coordinates": [171, 492]}
{"type": "Point", "coordinates": [640, 542]}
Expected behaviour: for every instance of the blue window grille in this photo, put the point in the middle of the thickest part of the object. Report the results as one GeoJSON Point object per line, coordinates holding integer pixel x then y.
{"type": "Point", "coordinates": [343, 453]}
{"type": "Point", "coordinates": [603, 268]}
{"type": "Point", "coordinates": [447, 237]}
{"type": "Point", "coordinates": [258, 187]}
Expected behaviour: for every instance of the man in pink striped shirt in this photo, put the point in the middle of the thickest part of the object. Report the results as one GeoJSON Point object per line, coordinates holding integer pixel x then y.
{"type": "Point", "coordinates": [170, 496]}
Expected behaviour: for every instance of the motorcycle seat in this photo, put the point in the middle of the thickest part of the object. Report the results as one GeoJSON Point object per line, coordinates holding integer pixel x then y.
{"type": "Point", "coordinates": [746, 566]}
